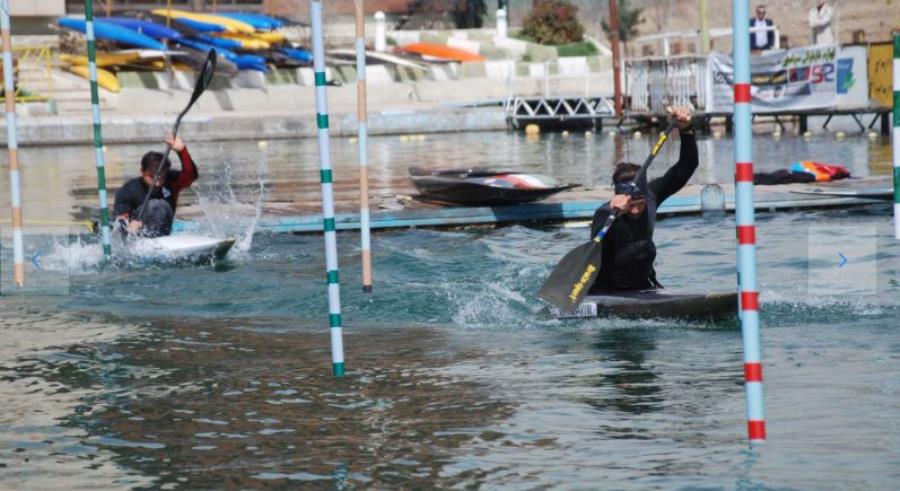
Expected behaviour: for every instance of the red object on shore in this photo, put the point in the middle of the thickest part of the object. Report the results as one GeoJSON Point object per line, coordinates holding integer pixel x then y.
{"type": "Point", "coordinates": [823, 172]}
{"type": "Point", "coordinates": [441, 51]}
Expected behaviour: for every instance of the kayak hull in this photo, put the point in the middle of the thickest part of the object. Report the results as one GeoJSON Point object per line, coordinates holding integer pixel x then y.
{"type": "Point", "coordinates": [112, 32]}
{"type": "Point", "coordinates": [105, 79]}
{"type": "Point", "coordinates": [180, 248]}
{"type": "Point", "coordinates": [659, 304]}
{"type": "Point", "coordinates": [474, 187]}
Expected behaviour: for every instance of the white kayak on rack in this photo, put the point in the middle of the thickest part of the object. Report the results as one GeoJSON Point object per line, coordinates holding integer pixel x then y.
{"type": "Point", "coordinates": [180, 248]}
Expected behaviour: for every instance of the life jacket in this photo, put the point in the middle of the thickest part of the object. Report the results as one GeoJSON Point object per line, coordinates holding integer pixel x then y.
{"type": "Point", "coordinates": [822, 172]}
{"type": "Point", "coordinates": [632, 254]}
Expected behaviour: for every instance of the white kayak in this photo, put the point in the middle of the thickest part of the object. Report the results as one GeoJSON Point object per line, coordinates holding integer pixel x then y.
{"type": "Point", "coordinates": [180, 248]}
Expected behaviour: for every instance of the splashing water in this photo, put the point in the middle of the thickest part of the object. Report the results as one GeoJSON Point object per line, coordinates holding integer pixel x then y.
{"type": "Point", "coordinates": [226, 212]}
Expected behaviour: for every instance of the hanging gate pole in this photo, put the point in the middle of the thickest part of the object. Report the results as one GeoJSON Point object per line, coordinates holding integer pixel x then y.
{"type": "Point", "coordinates": [362, 116]}
{"type": "Point", "coordinates": [12, 145]}
{"type": "Point", "coordinates": [746, 228]}
{"type": "Point", "coordinates": [331, 260]}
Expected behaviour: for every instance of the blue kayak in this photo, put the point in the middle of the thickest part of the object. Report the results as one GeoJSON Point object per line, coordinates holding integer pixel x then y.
{"type": "Point", "coordinates": [112, 32]}
{"type": "Point", "coordinates": [258, 21]}
{"type": "Point", "coordinates": [297, 54]}
{"type": "Point", "coordinates": [220, 42]}
{"type": "Point", "coordinates": [199, 26]}
{"type": "Point", "coordinates": [243, 62]}
{"type": "Point", "coordinates": [146, 27]}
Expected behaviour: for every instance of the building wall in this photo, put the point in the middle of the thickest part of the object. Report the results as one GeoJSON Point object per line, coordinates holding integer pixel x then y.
{"type": "Point", "coordinates": [38, 8]}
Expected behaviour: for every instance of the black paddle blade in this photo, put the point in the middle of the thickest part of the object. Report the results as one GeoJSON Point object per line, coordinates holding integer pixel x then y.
{"type": "Point", "coordinates": [572, 277]}
{"type": "Point", "coordinates": [206, 74]}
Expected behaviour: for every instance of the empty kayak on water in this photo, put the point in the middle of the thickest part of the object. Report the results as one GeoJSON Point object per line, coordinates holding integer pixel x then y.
{"type": "Point", "coordinates": [483, 187]}
{"type": "Point", "coordinates": [112, 32]}
{"type": "Point", "coordinates": [181, 248]}
{"type": "Point", "coordinates": [146, 27]}
{"type": "Point", "coordinates": [659, 304]}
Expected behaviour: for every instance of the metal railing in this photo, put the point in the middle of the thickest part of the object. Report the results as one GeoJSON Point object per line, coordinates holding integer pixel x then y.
{"type": "Point", "coordinates": [656, 82]}
{"type": "Point", "coordinates": [33, 56]}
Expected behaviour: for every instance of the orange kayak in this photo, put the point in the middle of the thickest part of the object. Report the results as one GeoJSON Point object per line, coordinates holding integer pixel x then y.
{"type": "Point", "coordinates": [442, 51]}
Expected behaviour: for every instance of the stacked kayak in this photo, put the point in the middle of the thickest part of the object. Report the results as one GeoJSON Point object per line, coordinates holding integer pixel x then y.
{"type": "Point", "coordinates": [483, 187]}
{"type": "Point", "coordinates": [440, 52]}
{"type": "Point", "coordinates": [245, 42]}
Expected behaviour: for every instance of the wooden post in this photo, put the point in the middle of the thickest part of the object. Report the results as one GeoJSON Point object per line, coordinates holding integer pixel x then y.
{"type": "Point", "coordinates": [616, 58]}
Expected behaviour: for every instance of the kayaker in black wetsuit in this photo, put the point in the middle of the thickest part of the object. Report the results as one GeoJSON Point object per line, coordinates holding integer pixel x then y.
{"type": "Point", "coordinates": [628, 249]}
{"type": "Point", "coordinates": [157, 220]}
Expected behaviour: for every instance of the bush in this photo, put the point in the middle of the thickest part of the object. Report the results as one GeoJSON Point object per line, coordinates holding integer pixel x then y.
{"type": "Point", "coordinates": [553, 22]}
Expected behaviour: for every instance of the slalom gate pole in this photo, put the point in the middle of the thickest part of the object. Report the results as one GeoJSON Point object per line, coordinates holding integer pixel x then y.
{"type": "Point", "coordinates": [896, 136]}
{"type": "Point", "coordinates": [98, 133]}
{"type": "Point", "coordinates": [746, 228]}
{"type": "Point", "coordinates": [331, 259]}
{"type": "Point", "coordinates": [12, 144]}
{"type": "Point", "coordinates": [362, 137]}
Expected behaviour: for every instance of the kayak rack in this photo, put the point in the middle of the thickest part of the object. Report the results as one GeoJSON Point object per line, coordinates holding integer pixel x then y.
{"type": "Point", "coordinates": [559, 111]}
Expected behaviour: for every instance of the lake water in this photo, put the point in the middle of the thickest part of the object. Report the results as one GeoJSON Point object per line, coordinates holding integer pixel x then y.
{"type": "Point", "coordinates": [218, 377]}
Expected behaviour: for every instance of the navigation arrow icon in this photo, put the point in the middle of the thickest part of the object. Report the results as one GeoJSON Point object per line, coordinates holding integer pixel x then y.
{"type": "Point", "coordinates": [843, 260]}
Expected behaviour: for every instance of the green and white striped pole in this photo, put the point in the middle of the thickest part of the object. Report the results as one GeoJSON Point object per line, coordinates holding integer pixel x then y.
{"type": "Point", "coordinates": [331, 260]}
{"type": "Point", "coordinates": [12, 145]}
{"type": "Point", "coordinates": [363, 135]}
{"type": "Point", "coordinates": [98, 134]}
{"type": "Point", "coordinates": [896, 136]}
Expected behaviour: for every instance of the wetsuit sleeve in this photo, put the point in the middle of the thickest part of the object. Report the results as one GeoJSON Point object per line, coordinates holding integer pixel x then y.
{"type": "Point", "coordinates": [188, 173]}
{"type": "Point", "coordinates": [679, 174]}
{"type": "Point", "coordinates": [600, 217]}
{"type": "Point", "coordinates": [125, 203]}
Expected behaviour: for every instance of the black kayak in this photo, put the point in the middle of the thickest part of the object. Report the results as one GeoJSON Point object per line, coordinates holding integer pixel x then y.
{"type": "Point", "coordinates": [660, 304]}
{"type": "Point", "coordinates": [483, 187]}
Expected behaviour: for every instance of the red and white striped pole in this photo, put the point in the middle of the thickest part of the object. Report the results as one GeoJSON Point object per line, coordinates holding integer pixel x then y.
{"type": "Point", "coordinates": [746, 228]}
{"type": "Point", "coordinates": [9, 94]}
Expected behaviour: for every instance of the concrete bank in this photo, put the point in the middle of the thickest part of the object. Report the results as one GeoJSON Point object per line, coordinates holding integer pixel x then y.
{"type": "Point", "coordinates": [142, 128]}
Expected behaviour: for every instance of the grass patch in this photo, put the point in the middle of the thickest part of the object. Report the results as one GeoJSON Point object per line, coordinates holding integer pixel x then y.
{"type": "Point", "coordinates": [583, 48]}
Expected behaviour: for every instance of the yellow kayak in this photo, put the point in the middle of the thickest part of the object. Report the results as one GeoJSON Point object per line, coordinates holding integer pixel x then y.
{"type": "Point", "coordinates": [105, 79]}
{"type": "Point", "coordinates": [178, 67]}
{"type": "Point", "coordinates": [230, 25]}
{"type": "Point", "coordinates": [273, 37]}
{"type": "Point", "coordinates": [103, 59]}
{"type": "Point", "coordinates": [247, 42]}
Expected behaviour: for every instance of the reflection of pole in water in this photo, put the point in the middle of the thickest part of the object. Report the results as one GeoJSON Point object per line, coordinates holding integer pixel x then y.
{"type": "Point", "coordinates": [362, 117]}
{"type": "Point", "coordinates": [331, 261]}
{"type": "Point", "coordinates": [746, 228]}
{"type": "Point", "coordinates": [15, 193]}
{"type": "Point", "coordinates": [710, 161]}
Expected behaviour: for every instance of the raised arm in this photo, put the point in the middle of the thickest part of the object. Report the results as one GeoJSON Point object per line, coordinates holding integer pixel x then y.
{"type": "Point", "coordinates": [679, 174]}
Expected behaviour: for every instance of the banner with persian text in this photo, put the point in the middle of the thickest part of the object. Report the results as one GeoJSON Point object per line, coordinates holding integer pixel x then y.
{"type": "Point", "coordinates": [795, 79]}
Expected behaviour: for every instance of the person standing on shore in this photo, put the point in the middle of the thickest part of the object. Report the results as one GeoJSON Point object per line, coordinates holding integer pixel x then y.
{"type": "Point", "coordinates": [820, 18]}
{"type": "Point", "coordinates": [764, 37]}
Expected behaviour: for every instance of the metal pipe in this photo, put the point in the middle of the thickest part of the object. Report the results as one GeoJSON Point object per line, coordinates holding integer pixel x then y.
{"type": "Point", "coordinates": [98, 133]}
{"type": "Point", "coordinates": [362, 116]}
{"type": "Point", "coordinates": [705, 46]}
{"type": "Point", "coordinates": [331, 259]}
{"type": "Point", "coordinates": [9, 95]}
{"type": "Point", "coordinates": [746, 228]}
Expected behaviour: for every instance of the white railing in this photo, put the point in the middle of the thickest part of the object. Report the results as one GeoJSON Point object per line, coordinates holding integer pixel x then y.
{"type": "Point", "coordinates": [665, 38]}
{"type": "Point", "coordinates": [654, 83]}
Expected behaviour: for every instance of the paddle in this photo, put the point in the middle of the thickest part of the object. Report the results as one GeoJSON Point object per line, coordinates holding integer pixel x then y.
{"type": "Point", "coordinates": [570, 281]}
{"type": "Point", "coordinates": [203, 81]}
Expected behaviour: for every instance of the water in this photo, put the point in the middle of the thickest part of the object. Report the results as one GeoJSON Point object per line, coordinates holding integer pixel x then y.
{"type": "Point", "coordinates": [214, 377]}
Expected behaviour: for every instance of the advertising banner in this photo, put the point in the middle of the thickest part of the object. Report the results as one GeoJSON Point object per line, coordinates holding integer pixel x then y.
{"type": "Point", "coordinates": [795, 79]}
